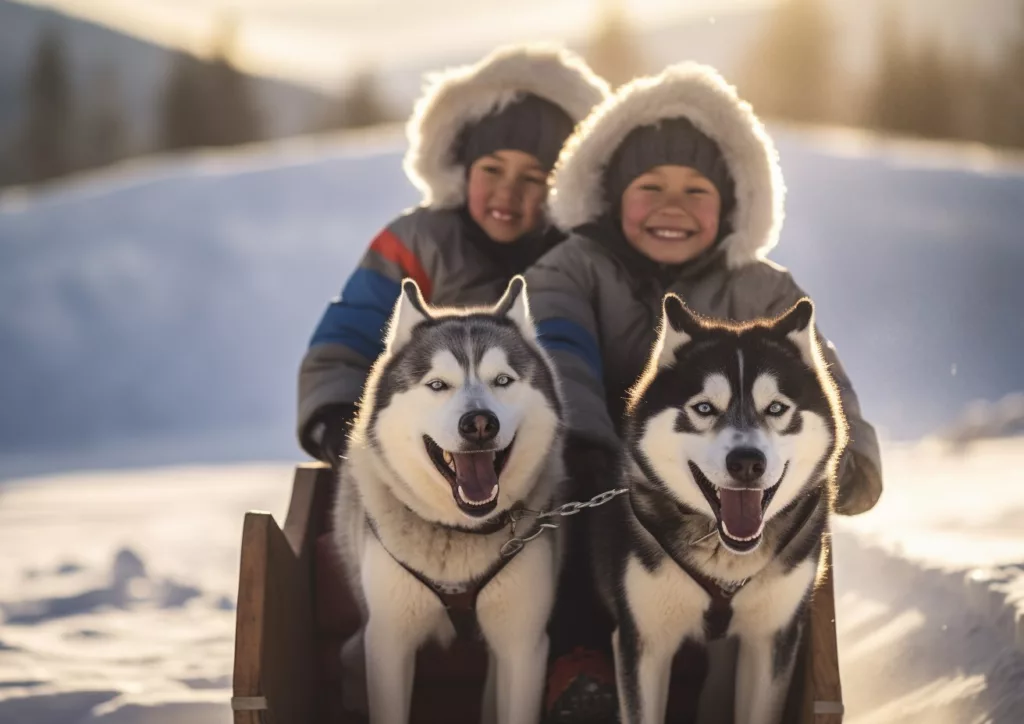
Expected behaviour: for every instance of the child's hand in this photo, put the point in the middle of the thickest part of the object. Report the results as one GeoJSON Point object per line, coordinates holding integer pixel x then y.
{"type": "Point", "coordinates": [336, 421]}
{"type": "Point", "coordinates": [591, 466]}
{"type": "Point", "coordinates": [859, 485]}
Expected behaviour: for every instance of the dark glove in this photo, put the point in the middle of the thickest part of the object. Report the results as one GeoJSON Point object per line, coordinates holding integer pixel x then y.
{"type": "Point", "coordinates": [326, 435]}
{"type": "Point", "coordinates": [859, 484]}
{"type": "Point", "coordinates": [592, 467]}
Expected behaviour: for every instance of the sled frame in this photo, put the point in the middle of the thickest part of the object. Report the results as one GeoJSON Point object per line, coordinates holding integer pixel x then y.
{"type": "Point", "coordinates": [275, 681]}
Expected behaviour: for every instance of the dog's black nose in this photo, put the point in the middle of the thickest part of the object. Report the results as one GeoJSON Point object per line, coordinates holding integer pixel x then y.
{"type": "Point", "coordinates": [745, 464]}
{"type": "Point", "coordinates": [479, 426]}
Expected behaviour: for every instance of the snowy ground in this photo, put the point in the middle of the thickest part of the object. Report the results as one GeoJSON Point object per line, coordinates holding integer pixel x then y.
{"type": "Point", "coordinates": [118, 603]}
{"type": "Point", "coordinates": [930, 589]}
{"type": "Point", "coordinates": [175, 296]}
{"type": "Point", "coordinates": [156, 314]}
{"type": "Point", "coordinates": [119, 600]}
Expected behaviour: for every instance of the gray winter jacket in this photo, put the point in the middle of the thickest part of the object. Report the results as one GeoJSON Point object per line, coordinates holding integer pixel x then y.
{"type": "Point", "coordinates": [597, 301]}
{"type": "Point", "coordinates": [454, 263]}
{"type": "Point", "coordinates": [437, 244]}
{"type": "Point", "coordinates": [599, 321]}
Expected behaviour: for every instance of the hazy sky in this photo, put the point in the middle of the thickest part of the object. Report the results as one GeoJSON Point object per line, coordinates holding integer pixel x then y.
{"type": "Point", "coordinates": [314, 39]}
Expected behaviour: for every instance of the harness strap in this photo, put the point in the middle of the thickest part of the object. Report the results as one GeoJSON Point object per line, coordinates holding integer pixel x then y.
{"type": "Point", "coordinates": [719, 612]}
{"type": "Point", "coordinates": [459, 601]}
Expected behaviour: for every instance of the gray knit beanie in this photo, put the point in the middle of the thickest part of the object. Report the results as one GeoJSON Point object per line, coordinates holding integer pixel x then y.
{"type": "Point", "coordinates": [672, 141]}
{"type": "Point", "coordinates": [529, 124]}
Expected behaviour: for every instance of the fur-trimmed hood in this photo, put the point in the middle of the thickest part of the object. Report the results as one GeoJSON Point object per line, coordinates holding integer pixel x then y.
{"type": "Point", "coordinates": [699, 93]}
{"type": "Point", "coordinates": [456, 97]}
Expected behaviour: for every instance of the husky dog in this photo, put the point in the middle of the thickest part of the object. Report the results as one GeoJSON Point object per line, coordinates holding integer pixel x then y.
{"type": "Point", "coordinates": [459, 427]}
{"type": "Point", "coordinates": [733, 435]}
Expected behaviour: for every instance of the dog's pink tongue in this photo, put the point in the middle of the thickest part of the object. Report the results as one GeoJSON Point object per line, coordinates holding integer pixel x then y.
{"type": "Point", "coordinates": [741, 512]}
{"type": "Point", "coordinates": [474, 473]}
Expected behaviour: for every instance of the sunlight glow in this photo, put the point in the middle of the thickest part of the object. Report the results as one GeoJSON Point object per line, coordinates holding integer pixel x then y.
{"type": "Point", "coordinates": [321, 40]}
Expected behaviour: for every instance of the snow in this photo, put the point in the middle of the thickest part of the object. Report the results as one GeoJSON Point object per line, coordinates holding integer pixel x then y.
{"type": "Point", "coordinates": [174, 298]}
{"type": "Point", "coordinates": [152, 319]}
{"type": "Point", "coordinates": [959, 508]}
{"type": "Point", "coordinates": [984, 419]}
{"type": "Point", "coordinates": [118, 605]}
{"type": "Point", "coordinates": [930, 588]}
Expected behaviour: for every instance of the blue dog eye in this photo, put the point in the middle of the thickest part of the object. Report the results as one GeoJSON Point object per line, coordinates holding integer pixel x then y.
{"type": "Point", "coordinates": [777, 409]}
{"type": "Point", "coordinates": [704, 409]}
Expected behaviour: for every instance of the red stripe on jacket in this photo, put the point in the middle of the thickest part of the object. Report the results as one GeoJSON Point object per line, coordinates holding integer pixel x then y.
{"type": "Point", "coordinates": [391, 248]}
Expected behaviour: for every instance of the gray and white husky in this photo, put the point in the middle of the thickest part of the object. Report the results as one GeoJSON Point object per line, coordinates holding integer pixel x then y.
{"type": "Point", "coordinates": [733, 436]}
{"type": "Point", "coordinates": [460, 425]}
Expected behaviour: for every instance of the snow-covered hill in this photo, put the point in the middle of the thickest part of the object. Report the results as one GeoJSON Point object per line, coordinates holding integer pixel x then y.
{"type": "Point", "coordinates": [157, 313]}
{"type": "Point", "coordinates": [160, 310]}
{"type": "Point", "coordinates": [104, 64]}
{"type": "Point", "coordinates": [117, 606]}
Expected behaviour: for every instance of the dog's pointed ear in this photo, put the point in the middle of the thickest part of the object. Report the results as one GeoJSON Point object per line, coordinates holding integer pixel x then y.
{"type": "Point", "coordinates": [797, 325]}
{"type": "Point", "coordinates": [515, 305]}
{"type": "Point", "coordinates": [410, 310]}
{"type": "Point", "coordinates": [678, 327]}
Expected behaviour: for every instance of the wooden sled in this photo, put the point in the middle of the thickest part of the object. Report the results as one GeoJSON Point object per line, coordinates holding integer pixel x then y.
{"type": "Point", "coordinates": [294, 612]}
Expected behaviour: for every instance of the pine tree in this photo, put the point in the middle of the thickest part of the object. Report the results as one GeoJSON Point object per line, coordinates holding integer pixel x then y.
{"type": "Point", "coordinates": [1004, 106]}
{"type": "Point", "coordinates": [918, 91]}
{"type": "Point", "coordinates": [183, 115]}
{"type": "Point", "coordinates": [234, 116]}
{"type": "Point", "coordinates": [969, 82]}
{"type": "Point", "coordinates": [105, 132]}
{"type": "Point", "coordinates": [209, 103]}
{"type": "Point", "coordinates": [888, 101]}
{"type": "Point", "coordinates": [613, 50]}
{"type": "Point", "coordinates": [931, 99]}
{"type": "Point", "coordinates": [46, 148]}
{"type": "Point", "coordinates": [360, 104]}
{"type": "Point", "coordinates": [790, 71]}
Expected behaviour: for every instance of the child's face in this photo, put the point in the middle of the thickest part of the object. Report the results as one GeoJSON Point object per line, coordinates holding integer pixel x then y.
{"type": "Point", "coordinates": [505, 194]}
{"type": "Point", "coordinates": [670, 213]}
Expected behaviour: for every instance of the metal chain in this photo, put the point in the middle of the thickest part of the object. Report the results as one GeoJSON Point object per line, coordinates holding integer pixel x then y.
{"type": "Point", "coordinates": [515, 543]}
{"type": "Point", "coordinates": [703, 538]}
{"type": "Point", "coordinates": [734, 586]}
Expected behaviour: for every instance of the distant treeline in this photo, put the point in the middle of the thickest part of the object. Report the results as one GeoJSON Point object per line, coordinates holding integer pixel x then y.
{"type": "Point", "coordinates": [919, 88]}
{"type": "Point", "coordinates": [790, 71]}
{"type": "Point", "coordinates": [205, 102]}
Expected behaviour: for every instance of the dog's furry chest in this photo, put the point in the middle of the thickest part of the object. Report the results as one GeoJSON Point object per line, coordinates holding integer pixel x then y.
{"type": "Point", "coordinates": [450, 558]}
{"type": "Point", "coordinates": [692, 588]}
{"type": "Point", "coordinates": [667, 599]}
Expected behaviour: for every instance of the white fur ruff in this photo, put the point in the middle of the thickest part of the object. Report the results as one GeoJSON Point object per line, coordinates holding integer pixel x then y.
{"type": "Point", "coordinates": [390, 478]}
{"type": "Point", "coordinates": [458, 96]}
{"type": "Point", "coordinates": [699, 93]}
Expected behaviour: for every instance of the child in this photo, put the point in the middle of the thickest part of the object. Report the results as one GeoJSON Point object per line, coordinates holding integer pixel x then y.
{"type": "Point", "coordinates": [671, 185]}
{"type": "Point", "coordinates": [482, 140]}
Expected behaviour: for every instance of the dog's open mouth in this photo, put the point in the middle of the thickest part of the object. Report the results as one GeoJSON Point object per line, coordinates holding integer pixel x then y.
{"type": "Point", "coordinates": [472, 475]}
{"type": "Point", "coordinates": [740, 513]}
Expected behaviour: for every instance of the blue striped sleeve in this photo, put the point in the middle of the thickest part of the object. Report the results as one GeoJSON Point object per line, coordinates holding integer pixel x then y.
{"type": "Point", "coordinates": [562, 334]}
{"type": "Point", "coordinates": [359, 318]}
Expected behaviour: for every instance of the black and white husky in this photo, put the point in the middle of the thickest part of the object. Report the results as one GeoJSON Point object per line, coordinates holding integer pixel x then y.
{"type": "Point", "coordinates": [460, 425]}
{"type": "Point", "coordinates": [733, 435]}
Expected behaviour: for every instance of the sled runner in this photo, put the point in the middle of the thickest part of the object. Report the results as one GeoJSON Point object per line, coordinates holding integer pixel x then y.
{"type": "Point", "coordinates": [294, 613]}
